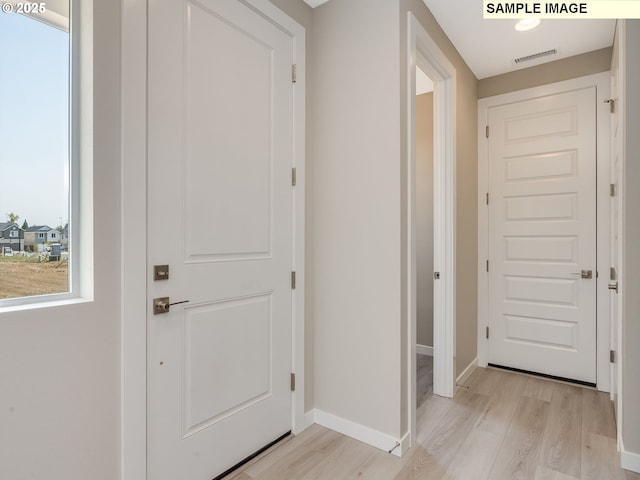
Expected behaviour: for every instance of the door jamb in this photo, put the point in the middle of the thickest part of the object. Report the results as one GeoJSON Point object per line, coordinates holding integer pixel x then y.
{"type": "Point", "coordinates": [601, 82]}
{"type": "Point", "coordinates": [423, 51]}
{"type": "Point", "coordinates": [133, 128]}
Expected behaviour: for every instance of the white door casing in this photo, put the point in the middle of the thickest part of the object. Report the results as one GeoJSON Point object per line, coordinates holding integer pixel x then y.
{"type": "Point", "coordinates": [425, 53]}
{"type": "Point", "coordinates": [542, 234]}
{"type": "Point", "coordinates": [601, 82]}
{"type": "Point", "coordinates": [220, 214]}
{"type": "Point", "coordinates": [616, 104]}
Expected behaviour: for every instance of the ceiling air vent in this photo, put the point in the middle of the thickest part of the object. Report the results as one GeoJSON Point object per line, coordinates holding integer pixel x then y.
{"type": "Point", "coordinates": [535, 56]}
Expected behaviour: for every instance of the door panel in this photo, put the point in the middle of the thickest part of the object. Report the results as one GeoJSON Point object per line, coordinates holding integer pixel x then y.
{"type": "Point", "coordinates": [542, 228]}
{"type": "Point", "coordinates": [220, 215]}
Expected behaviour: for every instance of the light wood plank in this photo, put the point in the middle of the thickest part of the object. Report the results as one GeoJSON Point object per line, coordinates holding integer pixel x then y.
{"type": "Point", "coordinates": [475, 456]}
{"type": "Point", "coordinates": [430, 414]}
{"type": "Point", "coordinates": [519, 454]}
{"type": "Point", "coordinates": [543, 473]}
{"type": "Point", "coordinates": [598, 415]}
{"type": "Point", "coordinates": [296, 457]}
{"type": "Point", "coordinates": [600, 458]}
{"type": "Point", "coordinates": [241, 476]}
{"type": "Point", "coordinates": [503, 400]}
{"type": "Point", "coordinates": [561, 444]}
{"type": "Point", "coordinates": [539, 388]}
{"type": "Point", "coordinates": [500, 426]}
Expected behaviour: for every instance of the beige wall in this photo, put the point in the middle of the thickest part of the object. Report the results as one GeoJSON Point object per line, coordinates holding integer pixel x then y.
{"type": "Point", "coordinates": [571, 67]}
{"type": "Point", "coordinates": [630, 283]}
{"type": "Point", "coordinates": [302, 13]}
{"type": "Point", "coordinates": [356, 212]}
{"type": "Point", "coordinates": [424, 218]}
{"type": "Point", "coordinates": [60, 366]}
{"type": "Point", "coordinates": [466, 179]}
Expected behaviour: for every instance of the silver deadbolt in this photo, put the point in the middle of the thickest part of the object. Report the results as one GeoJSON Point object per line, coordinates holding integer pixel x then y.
{"type": "Point", "coordinates": [160, 272]}
{"type": "Point", "coordinates": [163, 305]}
{"type": "Point", "coordinates": [613, 286]}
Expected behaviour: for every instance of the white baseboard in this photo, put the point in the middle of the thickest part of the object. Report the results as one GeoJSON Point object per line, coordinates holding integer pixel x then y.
{"type": "Point", "coordinates": [309, 419]}
{"type": "Point", "coordinates": [364, 434]}
{"type": "Point", "coordinates": [424, 350]}
{"type": "Point", "coordinates": [405, 444]}
{"type": "Point", "coordinates": [629, 460]}
{"type": "Point", "coordinates": [464, 376]}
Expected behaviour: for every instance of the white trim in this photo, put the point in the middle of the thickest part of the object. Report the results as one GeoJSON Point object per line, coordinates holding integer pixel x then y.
{"type": "Point", "coordinates": [423, 51]}
{"type": "Point", "coordinates": [134, 208]}
{"type": "Point", "coordinates": [424, 350]}
{"type": "Point", "coordinates": [133, 165]}
{"type": "Point", "coordinates": [622, 159]}
{"type": "Point", "coordinates": [629, 460]}
{"type": "Point", "coordinates": [467, 372]}
{"type": "Point", "coordinates": [405, 445]}
{"type": "Point", "coordinates": [309, 419]}
{"type": "Point", "coordinates": [601, 82]}
{"type": "Point", "coordinates": [363, 434]}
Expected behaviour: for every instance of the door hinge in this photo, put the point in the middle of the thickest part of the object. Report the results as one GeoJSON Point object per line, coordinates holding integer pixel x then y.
{"type": "Point", "coordinates": [293, 280]}
{"type": "Point", "coordinates": [487, 198]}
{"type": "Point", "coordinates": [487, 265]}
{"type": "Point", "coordinates": [612, 190]}
{"type": "Point", "coordinates": [294, 73]}
{"type": "Point", "coordinates": [293, 177]}
{"type": "Point", "coordinates": [487, 332]}
{"type": "Point", "coordinates": [612, 356]}
{"type": "Point", "coordinates": [293, 382]}
{"type": "Point", "coordinates": [486, 131]}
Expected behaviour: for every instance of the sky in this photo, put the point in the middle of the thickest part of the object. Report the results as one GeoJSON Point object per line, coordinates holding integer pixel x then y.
{"type": "Point", "coordinates": [34, 121]}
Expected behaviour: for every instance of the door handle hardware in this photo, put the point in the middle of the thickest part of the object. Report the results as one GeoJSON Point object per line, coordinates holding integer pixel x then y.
{"type": "Point", "coordinates": [613, 286]}
{"type": "Point", "coordinates": [160, 272]}
{"type": "Point", "coordinates": [583, 274]}
{"type": "Point", "coordinates": [163, 305]}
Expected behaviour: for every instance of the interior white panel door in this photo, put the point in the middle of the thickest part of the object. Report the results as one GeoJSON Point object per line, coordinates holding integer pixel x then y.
{"type": "Point", "coordinates": [542, 235]}
{"type": "Point", "coordinates": [220, 215]}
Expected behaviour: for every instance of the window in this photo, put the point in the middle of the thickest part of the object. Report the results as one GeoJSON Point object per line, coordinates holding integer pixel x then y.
{"type": "Point", "coordinates": [36, 100]}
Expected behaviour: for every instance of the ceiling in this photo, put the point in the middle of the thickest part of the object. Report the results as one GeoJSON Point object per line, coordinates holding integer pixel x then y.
{"type": "Point", "coordinates": [490, 46]}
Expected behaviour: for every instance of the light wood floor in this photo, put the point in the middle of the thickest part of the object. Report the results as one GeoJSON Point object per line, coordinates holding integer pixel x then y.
{"type": "Point", "coordinates": [500, 425]}
{"type": "Point", "coordinates": [424, 378]}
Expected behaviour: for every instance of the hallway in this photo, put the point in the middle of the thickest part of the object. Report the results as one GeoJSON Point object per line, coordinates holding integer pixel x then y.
{"type": "Point", "coordinates": [501, 425]}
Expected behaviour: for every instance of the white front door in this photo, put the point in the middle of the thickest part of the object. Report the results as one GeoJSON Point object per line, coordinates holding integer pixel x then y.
{"type": "Point", "coordinates": [220, 122]}
{"type": "Point", "coordinates": [542, 235]}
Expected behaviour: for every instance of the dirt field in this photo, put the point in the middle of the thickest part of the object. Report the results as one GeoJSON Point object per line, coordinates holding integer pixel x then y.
{"type": "Point", "coordinates": [20, 278]}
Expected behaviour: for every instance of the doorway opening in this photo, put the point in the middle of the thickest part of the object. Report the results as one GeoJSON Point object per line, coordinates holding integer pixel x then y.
{"type": "Point", "coordinates": [424, 232]}
{"type": "Point", "coordinates": [423, 53]}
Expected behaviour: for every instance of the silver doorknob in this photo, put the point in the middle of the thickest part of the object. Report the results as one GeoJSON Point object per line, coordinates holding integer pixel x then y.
{"type": "Point", "coordinates": [163, 305]}
{"type": "Point", "coordinates": [613, 286]}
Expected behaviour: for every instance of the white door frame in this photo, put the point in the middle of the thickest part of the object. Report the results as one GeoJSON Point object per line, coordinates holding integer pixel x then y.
{"type": "Point", "coordinates": [424, 52]}
{"type": "Point", "coordinates": [133, 107]}
{"type": "Point", "coordinates": [601, 82]}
